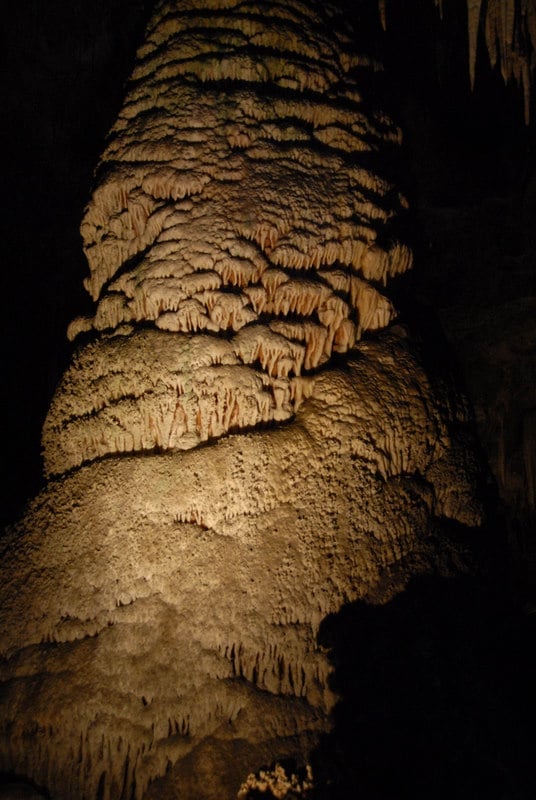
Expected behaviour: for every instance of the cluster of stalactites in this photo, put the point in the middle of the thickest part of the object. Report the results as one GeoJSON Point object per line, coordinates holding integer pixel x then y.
{"type": "Point", "coordinates": [235, 202]}
{"type": "Point", "coordinates": [510, 35]}
{"type": "Point", "coordinates": [509, 28]}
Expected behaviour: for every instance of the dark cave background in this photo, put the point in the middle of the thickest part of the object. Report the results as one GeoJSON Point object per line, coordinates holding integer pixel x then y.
{"type": "Point", "coordinates": [455, 662]}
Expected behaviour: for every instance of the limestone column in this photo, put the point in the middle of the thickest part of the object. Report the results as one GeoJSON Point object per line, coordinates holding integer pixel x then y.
{"type": "Point", "coordinates": [246, 439]}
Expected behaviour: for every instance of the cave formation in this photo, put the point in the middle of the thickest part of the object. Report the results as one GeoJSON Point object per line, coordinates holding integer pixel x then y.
{"type": "Point", "coordinates": [249, 440]}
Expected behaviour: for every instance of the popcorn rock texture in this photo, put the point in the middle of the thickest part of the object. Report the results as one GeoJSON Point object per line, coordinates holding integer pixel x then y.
{"type": "Point", "coordinates": [160, 601]}
{"type": "Point", "coordinates": [276, 783]}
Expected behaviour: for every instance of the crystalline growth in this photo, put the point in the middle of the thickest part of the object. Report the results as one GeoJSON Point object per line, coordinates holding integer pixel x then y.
{"type": "Point", "coordinates": [235, 237]}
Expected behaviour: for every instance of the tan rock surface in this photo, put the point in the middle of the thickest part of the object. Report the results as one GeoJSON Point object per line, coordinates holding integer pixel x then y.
{"type": "Point", "coordinates": [229, 461]}
{"type": "Point", "coordinates": [233, 206]}
{"type": "Point", "coordinates": [151, 602]}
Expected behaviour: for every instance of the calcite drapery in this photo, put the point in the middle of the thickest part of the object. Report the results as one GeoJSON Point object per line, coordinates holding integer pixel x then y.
{"type": "Point", "coordinates": [161, 608]}
{"type": "Point", "coordinates": [233, 210]}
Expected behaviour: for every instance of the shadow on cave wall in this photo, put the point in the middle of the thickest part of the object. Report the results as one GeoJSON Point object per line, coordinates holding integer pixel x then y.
{"type": "Point", "coordinates": [437, 697]}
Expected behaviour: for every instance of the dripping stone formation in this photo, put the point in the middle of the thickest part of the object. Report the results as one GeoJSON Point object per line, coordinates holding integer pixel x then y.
{"type": "Point", "coordinates": [160, 600]}
{"type": "Point", "coordinates": [234, 241]}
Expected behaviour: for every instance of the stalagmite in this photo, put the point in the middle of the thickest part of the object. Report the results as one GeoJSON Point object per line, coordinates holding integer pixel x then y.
{"type": "Point", "coordinates": [245, 439]}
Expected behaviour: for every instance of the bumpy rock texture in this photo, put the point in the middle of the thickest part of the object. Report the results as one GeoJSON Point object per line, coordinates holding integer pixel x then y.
{"type": "Point", "coordinates": [160, 606]}
{"type": "Point", "coordinates": [164, 600]}
{"type": "Point", "coordinates": [235, 212]}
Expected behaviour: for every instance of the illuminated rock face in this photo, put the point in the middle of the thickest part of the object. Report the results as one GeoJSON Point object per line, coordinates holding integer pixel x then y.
{"type": "Point", "coordinates": [235, 240]}
{"type": "Point", "coordinates": [169, 604]}
{"type": "Point", "coordinates": [160, 609]}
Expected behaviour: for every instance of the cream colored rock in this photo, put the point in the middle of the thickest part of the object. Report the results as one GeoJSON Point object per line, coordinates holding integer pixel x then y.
{"type": "Point", "coordinates": [228, 460]}
{"type": "Point", "coordinates": [152, 603]}
{"type": "Point", "coordinates": [232, 203]}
